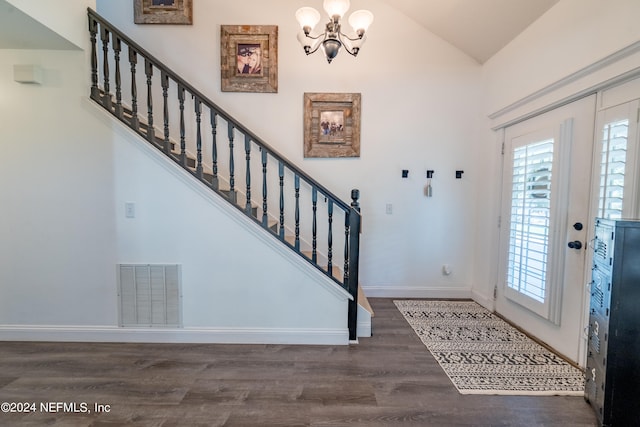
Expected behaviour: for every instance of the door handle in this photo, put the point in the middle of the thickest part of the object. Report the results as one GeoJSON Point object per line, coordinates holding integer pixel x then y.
{"type": "Point", "coordinates": [576, 244]}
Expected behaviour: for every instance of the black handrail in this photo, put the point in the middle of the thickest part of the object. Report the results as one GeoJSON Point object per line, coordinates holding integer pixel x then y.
{"type": "Point", "coordinates": [143, 124]}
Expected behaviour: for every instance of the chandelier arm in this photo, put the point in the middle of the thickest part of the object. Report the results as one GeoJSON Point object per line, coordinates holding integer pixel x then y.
{"type": "Point", "coordinates": [323, 36]}
{"type": "Point", "coordinates": [316, 37]}
{"type": "Point", "coordinates": [352, 52]}
{"type": "Point", "coordinates": [355, 39]}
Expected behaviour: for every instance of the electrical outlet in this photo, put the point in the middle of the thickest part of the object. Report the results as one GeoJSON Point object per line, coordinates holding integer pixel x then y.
{"type": "Point", "coordinates": [389, 209]}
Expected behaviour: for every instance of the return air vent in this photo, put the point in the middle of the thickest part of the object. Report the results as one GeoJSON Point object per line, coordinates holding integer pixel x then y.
{"type": "Point", "coordinates": [150, 295]}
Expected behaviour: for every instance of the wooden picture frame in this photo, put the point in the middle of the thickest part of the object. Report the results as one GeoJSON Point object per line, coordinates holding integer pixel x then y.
{"type": "Point", "coordinates": [249, 58]}
{"type": "Point", "coordinates": [332, 124]}
{"type": "Point", "coordinates": [163, 12]}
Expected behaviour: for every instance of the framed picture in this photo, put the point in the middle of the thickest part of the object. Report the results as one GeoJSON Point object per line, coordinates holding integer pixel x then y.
{"type": "Point", "coordinates": [249, 58]}
{"type": "Point", "coordinates": [163, 11]}
{"type": "Point", "coordinates": [332, 124]}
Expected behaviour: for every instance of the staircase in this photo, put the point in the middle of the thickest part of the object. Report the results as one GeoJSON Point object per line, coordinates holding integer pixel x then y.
{"type": "Point", "coordinates": [221, 153]}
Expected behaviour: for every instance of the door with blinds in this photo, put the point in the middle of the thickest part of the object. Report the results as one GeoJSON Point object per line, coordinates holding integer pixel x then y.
{"type": "Point", "coordinates": [545, 215]}
{"type": "Point", "coordinates": [616, 148]}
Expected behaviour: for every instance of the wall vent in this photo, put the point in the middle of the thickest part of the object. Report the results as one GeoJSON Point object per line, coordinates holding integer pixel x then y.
{"type": "Point", "coordinates": [150, 295]}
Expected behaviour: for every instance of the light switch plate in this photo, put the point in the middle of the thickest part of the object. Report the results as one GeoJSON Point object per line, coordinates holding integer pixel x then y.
{"type": "Point", "coordinates": [130, 210]}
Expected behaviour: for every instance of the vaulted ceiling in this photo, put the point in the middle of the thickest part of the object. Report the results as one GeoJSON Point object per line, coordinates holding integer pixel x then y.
{"type": "Point", "coordinates": [479, 28]}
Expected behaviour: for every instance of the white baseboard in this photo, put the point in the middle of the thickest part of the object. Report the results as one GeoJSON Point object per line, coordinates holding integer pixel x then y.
{"type": "Point", "coordinates": [416, 292]}
{"type": "Point", "coordinates": [484, 301]}
{"type": "Point", "coordinates": [363, 329]}
{"type": "Point", "coordinates": [177, 335]}
{"type": "Point", "coordinates": [363, 326]}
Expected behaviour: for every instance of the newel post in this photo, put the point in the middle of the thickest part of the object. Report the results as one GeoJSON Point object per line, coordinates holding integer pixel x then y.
{"type": "Point", "coordinates": [354, 257]}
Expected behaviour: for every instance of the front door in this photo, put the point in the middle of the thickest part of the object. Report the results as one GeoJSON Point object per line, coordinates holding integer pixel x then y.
{"type": "Point", "coordinates": [544, 220]}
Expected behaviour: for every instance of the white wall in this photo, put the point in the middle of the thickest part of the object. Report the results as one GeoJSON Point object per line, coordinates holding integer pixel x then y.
{"type": "Point", "coordinates": [57, 228]}
{"type": "Point", "coordinates": [420, 104]}
{"type": "Point", "coordinates": [571, 36]}
{"type": "Point", "coordinates": [576, 45]}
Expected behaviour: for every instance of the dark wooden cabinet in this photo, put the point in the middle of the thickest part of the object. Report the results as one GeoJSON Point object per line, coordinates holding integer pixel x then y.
{"type": "Point", "coordinates": [613, 360]}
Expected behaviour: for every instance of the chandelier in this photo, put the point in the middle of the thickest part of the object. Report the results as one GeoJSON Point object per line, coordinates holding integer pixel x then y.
{"type": "Point", "coordinates": [333, 38]}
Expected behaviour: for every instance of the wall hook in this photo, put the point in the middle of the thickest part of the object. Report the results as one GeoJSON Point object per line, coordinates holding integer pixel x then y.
{"type": "Point", "coordinates": [428, 190]}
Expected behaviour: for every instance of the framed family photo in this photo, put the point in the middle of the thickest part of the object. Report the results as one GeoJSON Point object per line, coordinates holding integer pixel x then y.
{"type": "Point", "coordinates": [249, 58]}
{"type": "Point", "coordinates": [332, 124]}
{"type": "Point", "coordinates": [163, 11]}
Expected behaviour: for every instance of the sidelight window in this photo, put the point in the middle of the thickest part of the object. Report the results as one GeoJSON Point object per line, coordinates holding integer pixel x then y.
{"type": "Point", "coordinates": [612, 169]}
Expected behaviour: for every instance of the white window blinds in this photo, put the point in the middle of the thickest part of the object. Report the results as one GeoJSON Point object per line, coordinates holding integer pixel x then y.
{"type": "Point", "coordinates": [530, 217]}
{"type": "Point", "coordinates": [612, 169]}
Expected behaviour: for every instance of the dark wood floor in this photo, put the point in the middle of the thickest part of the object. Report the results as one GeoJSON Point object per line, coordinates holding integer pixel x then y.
{"type": "Point", "coordinates": [389, 379]}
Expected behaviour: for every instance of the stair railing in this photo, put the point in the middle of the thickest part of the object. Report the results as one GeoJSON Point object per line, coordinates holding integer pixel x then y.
{"type": "Point", "coordinates": [185, 125]}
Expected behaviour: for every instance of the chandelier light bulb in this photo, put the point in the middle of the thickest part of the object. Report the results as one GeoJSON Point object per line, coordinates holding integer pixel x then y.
{"type": "Point", "coordinates": [308, 18]}
{"type": "Point", "coordinates": [360, 21]}
{"type": "Point", "coordinates": [336, 7]}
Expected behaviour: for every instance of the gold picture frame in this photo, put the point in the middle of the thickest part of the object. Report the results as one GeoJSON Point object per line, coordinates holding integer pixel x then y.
{"type": "Point", "coordinates": [249, 58]}
{"type": "Point", "coordinates": [163, 12]}
{"type": "Point", "coordinates": [332, 124]}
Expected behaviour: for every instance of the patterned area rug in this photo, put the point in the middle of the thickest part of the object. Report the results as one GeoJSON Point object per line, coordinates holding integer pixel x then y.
{"type": "Point", "coordinates": [482, 354]}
